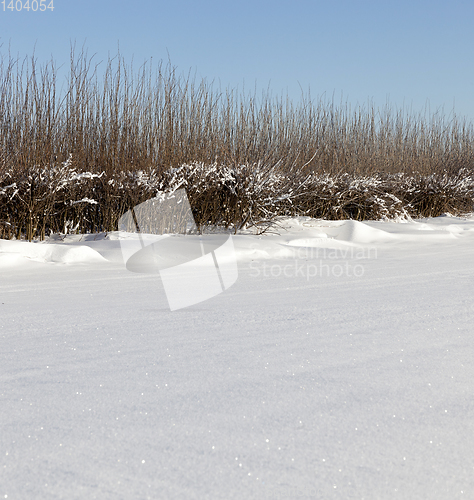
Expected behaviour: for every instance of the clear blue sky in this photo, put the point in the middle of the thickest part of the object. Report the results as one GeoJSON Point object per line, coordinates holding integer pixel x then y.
{"type": "Point", "coordinates": [412, 52]}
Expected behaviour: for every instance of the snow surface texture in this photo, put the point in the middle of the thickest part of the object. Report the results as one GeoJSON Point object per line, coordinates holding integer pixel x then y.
{"type": "Point", "coordinates": [338, 366]}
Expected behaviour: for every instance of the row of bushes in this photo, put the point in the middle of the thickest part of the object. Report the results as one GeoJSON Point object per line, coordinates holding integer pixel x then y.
{"type": "Point", "coordinates": [35, 202]}
{"type": "Point", "coordinates": [114, 117]}
{"type": "Point", "coordinates": [77, 151]}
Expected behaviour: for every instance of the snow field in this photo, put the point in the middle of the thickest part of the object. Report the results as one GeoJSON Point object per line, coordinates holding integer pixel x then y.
{"type": "Point", "coordinates": [288, 385]}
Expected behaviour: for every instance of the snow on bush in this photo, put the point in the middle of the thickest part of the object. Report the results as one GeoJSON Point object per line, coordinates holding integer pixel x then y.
{"type": "Point", "coordinates": [59, 198]}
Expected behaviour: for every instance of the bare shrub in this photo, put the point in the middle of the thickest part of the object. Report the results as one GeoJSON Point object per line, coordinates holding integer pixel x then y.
{"type": "Point", "coordinates": [78, 158]}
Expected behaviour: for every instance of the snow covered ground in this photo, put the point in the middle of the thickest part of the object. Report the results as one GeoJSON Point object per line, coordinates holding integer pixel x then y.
{"type": "Point", "coordinates": [340, 365]}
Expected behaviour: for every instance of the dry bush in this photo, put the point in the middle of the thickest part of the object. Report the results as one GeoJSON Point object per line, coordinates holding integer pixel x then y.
{"type": "Point", "coordinates": [439, 193]}
{"type": "Point", "coordinates": [118, 118]}
{"type": "Point", "coordinates": [115, 136]}
{"type": "Point", "coordinates": [35, 202]}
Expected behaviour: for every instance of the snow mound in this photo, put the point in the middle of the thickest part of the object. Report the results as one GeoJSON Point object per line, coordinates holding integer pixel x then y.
{"type": "Point", "coordinates": [75, 254]}
{"type": "Point", "coordinates": [8, 260]}
{"type": "Point", "coordinates": [455, 229]}
{"type": "Point", "coordinates": [16, 252]}
{"type": "Point", "coordinates": [359, 233]}
{"type": "Point", "coordinates": [315, 241]}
